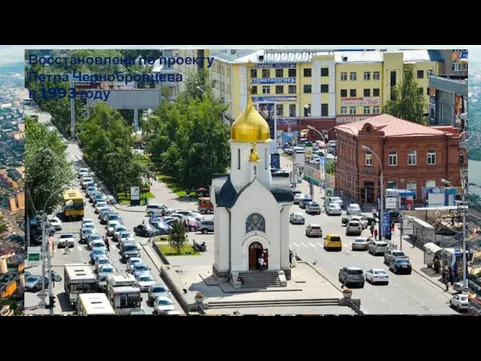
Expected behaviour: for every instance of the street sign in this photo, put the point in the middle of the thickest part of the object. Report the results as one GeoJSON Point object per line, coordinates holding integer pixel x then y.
{"type": "Point", "coordinates": [134, 193]}
{"type": "Point", "coordinates": [34, 256]}
{"type": "Point", "coordinates": [458, 252]}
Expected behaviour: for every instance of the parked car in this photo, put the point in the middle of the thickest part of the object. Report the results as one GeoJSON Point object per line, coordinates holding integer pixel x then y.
{"type": "Point", "coordinates": [126, 237]}
{"type": "Point", "coordinates": [377, 247]}
{"type": "Point", "coordinates": [98, 243]}
{"type": "Point", "coordinates": [400, 265]}
{"type": "Point", "coordinates": [104, 216]}
{"type": "Point", "coordinates": [85, 233]}
{"type": "Point", "coordinates": [34, 283]}
{"type": "Point", "coordinates": [337, 200]}
{"type": "Point", "coordinates": [299, 197]}
{"type": "Point", "coordinates": [334, 209]}
{"type": "Point", "coordinates": [304, 202]}
{"type": "Point", "coordinates": [361, 243]}
{"type": "Point", "coordinates": [297, 218]}
{"type": "Point", "coordinates": [96, 254]}
{"type": "Point", "coordinates": [84, 180]}
{"type": "Point", "coordinates": [117, 230]}
{"type": "Point", "coordinates": [350, 275]}
{"type": "Point", "coordinates": [91, 238]}
{"type": "Point", "coordinates": [102, 261]}
{"type": "Point", "coordinates": [91, 189]}
{"type": "Point", "coordinates": [313, 208]}
{"type": "Point", "coordinates": [146, 230]}
{"type": "Point", "coordinates": [206, 226]}
{"type": "Point", "coordinates": [353, 208]}
{"type": "Point", "coordinates": [131, 262]}
{"type": "Point", "coordinates": [129, 249]}
{"type": "Point", "coordinates": [99, 206]}
{"type": "Point", "coordinates": [460, 302]}
{"type": "Point", "coordinates": [314, 230]}
{"type": "Point", "coordinates": [66, 240]}
{"type": "Point", "coordinates": [390, 254]}
{"type": "Point", "coordinates": [163, 305]}
{"type": "Point", "coordinates": [377, 275]}
{"type": "Point", "coordinates": [140, 268]}
{"type": "Point", "coordinates": [111, 224]}
{"type": "Point", "coordinates": [354, 227]}
{"type": "Point", "coordinates": [196, 215]}
{"type": "Point", "coordinates": [87, 221]}
{"type": "Point", "coordinates": [459, 287]}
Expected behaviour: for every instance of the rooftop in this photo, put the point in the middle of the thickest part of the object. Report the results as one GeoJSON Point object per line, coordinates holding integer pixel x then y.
{"type": "Point", "coordinates": [392, 127]}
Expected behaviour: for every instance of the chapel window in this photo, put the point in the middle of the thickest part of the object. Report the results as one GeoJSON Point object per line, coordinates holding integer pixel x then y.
{"type": "Point", "coordinates": [255, 222]}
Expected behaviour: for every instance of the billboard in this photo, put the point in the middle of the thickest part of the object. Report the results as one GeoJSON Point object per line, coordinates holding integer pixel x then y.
{"type": "Point", "coordinates": [386, 225]}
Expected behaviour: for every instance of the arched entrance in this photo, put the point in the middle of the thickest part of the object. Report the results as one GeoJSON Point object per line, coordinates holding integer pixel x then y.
{"type": "Point", "coordinates": [255, 251]}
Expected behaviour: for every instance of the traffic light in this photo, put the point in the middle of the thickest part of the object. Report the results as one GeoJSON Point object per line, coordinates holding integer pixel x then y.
{"type": "Point", "coordinates": [52, 302]}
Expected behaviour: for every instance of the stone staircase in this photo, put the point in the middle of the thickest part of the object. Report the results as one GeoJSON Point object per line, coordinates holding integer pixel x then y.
{"type": "Point", "coordinates": [260, 280]}
{"type": "Point", "coordinates": [275, 303]}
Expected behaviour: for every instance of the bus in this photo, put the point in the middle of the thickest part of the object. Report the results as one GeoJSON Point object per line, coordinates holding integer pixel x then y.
{"type": "Point", "coordinates": [79, 278]}
{"type": "Point", "coordinates": [73, 204]}
{"type": "Point", "coordinates": [123, 293]}
{"type": "Point", "coordinates": [90, 304]}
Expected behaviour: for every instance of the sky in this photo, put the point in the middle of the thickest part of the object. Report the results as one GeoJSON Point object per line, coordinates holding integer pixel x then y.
{"type": "Point", "coordinates": [14, 53]}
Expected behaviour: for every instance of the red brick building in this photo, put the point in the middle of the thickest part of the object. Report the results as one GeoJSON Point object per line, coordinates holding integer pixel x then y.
{"type": "Point", "coordinates": [412, 155]}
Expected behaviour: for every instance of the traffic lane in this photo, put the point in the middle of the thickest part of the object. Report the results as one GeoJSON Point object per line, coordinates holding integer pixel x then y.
{"type": "Point", "coordinates": [284, 311]}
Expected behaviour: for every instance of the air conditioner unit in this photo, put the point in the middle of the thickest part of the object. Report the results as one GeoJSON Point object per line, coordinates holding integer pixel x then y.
{"type": "Point", "coordinates": [344, 58]}
{"type": "Point", "coordinates": [260, 57]}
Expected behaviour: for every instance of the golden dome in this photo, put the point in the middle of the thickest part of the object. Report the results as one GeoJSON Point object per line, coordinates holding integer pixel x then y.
{"type": "Point", "coordinates": [254, 157]}
{"type": "Point", "coordinates": [250, 127]}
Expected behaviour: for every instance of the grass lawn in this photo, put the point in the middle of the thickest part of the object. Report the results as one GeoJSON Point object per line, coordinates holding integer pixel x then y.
{"type": "Point", "coordinates": [125, 197]}
{"type": "Point", "coordinates": [166, 250]}
{"type": "Point", "coordinates": [174, 186]}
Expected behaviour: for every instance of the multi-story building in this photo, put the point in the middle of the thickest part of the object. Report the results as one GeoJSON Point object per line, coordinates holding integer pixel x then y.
{"type": "Point", "coordinates": [412, 156]}
{"type": "Point", "coordinates": [454, 64]}
{"type": "Point", "coordinates": [12, 204]}
{"type": "Point", "coordinates": [448, 100]}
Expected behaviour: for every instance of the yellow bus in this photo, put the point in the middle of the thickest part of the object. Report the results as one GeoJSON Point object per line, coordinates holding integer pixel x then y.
{"type": "Point", "coordinates": [73, 203]}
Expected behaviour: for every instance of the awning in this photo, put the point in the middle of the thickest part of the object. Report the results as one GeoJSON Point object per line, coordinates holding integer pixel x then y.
{"type": "Point", "coordinates": [432, 247]}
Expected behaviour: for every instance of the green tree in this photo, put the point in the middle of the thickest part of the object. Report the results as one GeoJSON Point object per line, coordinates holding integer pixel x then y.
{"type": "Point", "coordinates": [408, 101]}
{"type": "Point", "coordinates": [47, 167]}
{"type": "Point", "coordinates": [177, 236]}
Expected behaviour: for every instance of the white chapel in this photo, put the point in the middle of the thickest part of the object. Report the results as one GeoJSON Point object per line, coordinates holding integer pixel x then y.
{"type": "Point", "coordinates": [251, 206]}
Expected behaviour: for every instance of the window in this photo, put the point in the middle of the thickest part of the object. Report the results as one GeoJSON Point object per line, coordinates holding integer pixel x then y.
{"type": "Point", "coordinates": [292, 89]}
{"type": "Point", "coordinates": [393, 79]}
{"type": "Point", "coordinates": [428, 91]}
{"type": "Point", "coordinates": [253, 73]}
{"type": "Point", "coordinates": [367, 92]}
{"type": "Point", "coordinates": [307, 110]}
{"type": "Point", "coordinates": [392, 159]}
{"type": "Point", "coordinates": [324, 110]}
{"type": "Point", "coordinates": [266, 73]}
{"type": "Point", "coordinates": [352, 110]}
{"type": "Point", "coordinates": [420, 74]}
{"type": "Point", "coordinates": [266, 89]}
{"type": "Point", "coordinates": [430, 183]}
{"type": "Point", "coordinates": [325, 88]}
{"type": "Point", "coordinates": [421, 91]}
{"type": "Point", "coordinates": [411, 157]}
{"type": "Point", "coordinates": [279, 73]}
{"type": "Point", "coordinates": [368, 158]}
{"type": "Point", "coordinates": [431, 157]}
{"type": "Point", "coordinates": [255, 222]}
{"type": "Point", "coordinates": [307, 73]}
{"type": "Point", "coordinates": [292, 73]}
{"type": "Point", "coordinates": [392, 185]}
{"type": "Point", "coordinates": [343, 93]}
{"type": "Point", "coordinates": [352, 93]}
{"type": "Point", "coordinates": [353, 75]}
{"type": "Point", "coordinates": [367, 110]}
{"type": "Point", "coordinates": [254, 90]}
{"type": "Point", "coordinates": [324, 71]}
{"type": "Point", "coordinates": [343, 110]}
{"type": "Point", "coordinates": [307, 89]}
{"type": "Point", "coordinates": [411, 186]}
{"type": "Point", "coordinates": [367, 75]}
{"type": "Point", "coordinates": [280, 110]}
{"type": "Point", "coordinates": [343, 76]}
{"type": "Point", "coordinates": [292, 110]}
{"type": "Point", "coordinates": [238, 159]}
{"type": "Point", "coordinates": [375, 75]}
{"type": "Point", "coordinates": [375, 110]}
{"type": "Point", "coordinates": [375, 92]}
{"type": "Point", "coordinates": [279, 89]}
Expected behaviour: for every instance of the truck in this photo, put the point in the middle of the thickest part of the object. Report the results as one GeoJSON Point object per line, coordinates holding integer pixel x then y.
{"type": "Point", "coordinates": [123, 293]}
{"type": "Point", "coordinates": [391, 254]}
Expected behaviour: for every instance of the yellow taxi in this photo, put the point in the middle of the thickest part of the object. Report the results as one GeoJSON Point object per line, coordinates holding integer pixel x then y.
{"type": "Point", "coordinates": [333, 242]}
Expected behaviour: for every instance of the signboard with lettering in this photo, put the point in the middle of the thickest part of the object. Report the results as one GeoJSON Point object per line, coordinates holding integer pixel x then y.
{"type": "Point", "coordinates": [275, 66]}
{"type": "Point", "coordinates": [274, 99]}
{"type": "Point", "coordinates": [33, 256]}
{"type": "Point", "coordinates": [348, 119]}
{"type": "Point", "coordinates": [391, 202]}
{"type": "Point", "coordinates": [308, 146]}
{"type": "Point", "coordinates": [273, 80]}
{"type": "Point", "coordinates": [386, 225]}
{"type": "Point", "coordinates": [368, 170]}
{"type": "Point", "coordinates": [354, 102]}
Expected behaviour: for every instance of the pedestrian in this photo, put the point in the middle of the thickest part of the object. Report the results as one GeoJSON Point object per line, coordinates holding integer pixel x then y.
{"type": "Point", "coordinates": [375, 234]}
{"type": "Point", "coordinates": [261, 263]}
{"type": "Point", "coordinates": [414, 241]}
{"type": "Point", "coordinates": [106, 241]}
{"type": "Point", "coordinates": [446, 282]}
{"type": "Point", "coordinates": [290, 258]}
{"type": "Point", "coordinates": [372, 230]}
{"type": "Point", "coordinates": [143, 222]}
{"type": "Point", "coordinates": [52, 278]}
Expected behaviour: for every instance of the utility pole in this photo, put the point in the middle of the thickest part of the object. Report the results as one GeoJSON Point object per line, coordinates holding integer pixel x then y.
{"type": "Point", "coordinates": [401, 232]}
{"type": "Point", "coordinates": [72, 113]}
{"type": "Point", "coordinates": [465, 206]}
{"type": "Point", "coordinates": [42, 294]}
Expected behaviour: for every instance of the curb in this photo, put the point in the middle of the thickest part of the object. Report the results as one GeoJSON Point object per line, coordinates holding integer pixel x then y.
{"type": "Point", "coordinates": [430, 280]}
{"type": "Point", "coordinates": [317, 271]}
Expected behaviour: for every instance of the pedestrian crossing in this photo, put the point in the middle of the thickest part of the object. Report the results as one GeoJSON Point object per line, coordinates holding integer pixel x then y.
{"type": "Point", "coordinates": [318, 245]}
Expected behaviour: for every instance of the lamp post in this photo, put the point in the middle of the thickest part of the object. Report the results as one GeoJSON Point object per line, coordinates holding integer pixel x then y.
{"type": "Point", "coordinates": [381, 207]}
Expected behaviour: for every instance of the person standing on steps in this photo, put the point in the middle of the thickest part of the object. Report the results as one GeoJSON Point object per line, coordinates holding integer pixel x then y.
{"type": "Point", "coordinates": [261, 263]}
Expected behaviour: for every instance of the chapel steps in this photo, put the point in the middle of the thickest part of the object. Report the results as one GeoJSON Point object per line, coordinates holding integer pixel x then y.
{"type": "Point", "coordinates": [260, 280]}
{"type": "Point", "coordinates": [275, 303]}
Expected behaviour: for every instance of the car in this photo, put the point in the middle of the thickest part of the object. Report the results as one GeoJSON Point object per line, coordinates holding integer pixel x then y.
{"type": "Point", "coordinates": [377, 275]}
{"type": "Point", "coordinates": [157, 209]}
{"type": "Point", "coordinates": [459, 287]}
{"type": "Point", "coordinates": [377, 247]}
{"type": "Point", "coordinates": [361, 219]}
{"type": "Point", "coordinates": [146, 230]}
{"type": "Point", "coordinates": [111, 224]}
{"type": "Point", "coordinates": [91, 238]}
{"type": "Point", "coordinates": [91, 189]}
{"type": "Point", "coordinates": [140, 268]}
{"type": "Point", "coordinates": [145, 281]}
{"type": "Point", "coordinates": [85, 180]}
{"type": "Point", "coordinates": [361, 243]}
{"type": "Point", "coordinates": [117, 230]}
{"type": "Point", "coordinates": [100, 206]}
{"type": "Point", "coordinates": [337, 200]}
{"type": "Point", "coordinates": [157, 290]}
{"type": "Point", "coordinates": [66, 240]}
{"type": "Point", "coordinates": [104, 216]}
{"type": "Point", "coordinates": [299, 197]}
{"type": "Point", "coordinates": [353, 208]}
{"type": "Point", "coordinates": [314, 230]}
{"type": "Point", "coordinates": [164, 228]}
{"type": "Point", "coordinates": [98, 243]}
{"type": "Point", "coordinates": [206, 226]}
{"type": "Point", "coordinates": [99, 197]}
{"type": "Point", "coordinates": [82, 172]}
{"type": "Point", "coordinates": [196, 215]}
{"type": "Point", "coordinates": [460, 302]}
{"type": "Point", "coordinates": [132, 261]}
{"type": "Point", "coordinates": [191, 223]}
{"type": "Point", "coordinates": [354, 227]}
{"type": "Point", "coordinates": [163, 305]}
{"type": "Point", "coordinates": [102, 261]}
{"type": "Point", "coordinates": [400, 265]}
{"type": "Point", "coordinates": [394, 253]}
{"type": "Point", "coordinates": [56, 223]}
{"type": "Point", "coordinates": [137, 312]}
{"type": "Point", "coordinates": [333, 209]}
{"type": "Point", "coordinates": [87, 221]}
{"type": "Point", "coordinates": [304, 202]}
{"type": "Point", "coordinates": [86, 232]}
{"type": "Point", "coordinates": [178, 216]}
{"type": "Point", "coordinates": [313, 208]}
{"type": "Point", "coordinates": [115, 217]}
{"type": "Point", "coordinates": [349, 275]}
{"type": "Point", "coordinates": [333, 242]}
{"type": "Point", "coordinates": [96, 254]}
{"type": "Point", "coordinates": [297, 218]}
{"type": "Point", "coordinates": [126, 237]}
{"type": "Point", "coordinates": [129, 249]}
{"type": "Point", "coordinates": [34, 283]}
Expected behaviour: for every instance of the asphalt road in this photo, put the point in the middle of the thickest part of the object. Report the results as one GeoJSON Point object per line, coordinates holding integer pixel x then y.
{"type": "Point", "coordinates": [405, 294]}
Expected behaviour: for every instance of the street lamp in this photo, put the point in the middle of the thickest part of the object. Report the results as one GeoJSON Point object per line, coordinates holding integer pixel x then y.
{"type": "Point", "coordinates": [325, 154]}
{"type": "Point", "coordinates": [381, 207]}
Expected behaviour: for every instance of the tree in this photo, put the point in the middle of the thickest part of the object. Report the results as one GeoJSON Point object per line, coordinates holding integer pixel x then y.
{"type": "Point", "coordinates": [47, 167]}
{"type": "Point", "coordinates": [177, 236]}
{"type": "Point", "coordinates": [408, 100]}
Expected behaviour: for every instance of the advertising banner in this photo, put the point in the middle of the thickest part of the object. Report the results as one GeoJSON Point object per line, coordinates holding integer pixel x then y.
{"type": "Point", "coordinates": [273, 80]}
{"type": "Point", "coordinates": [386, 225]}
{"type": "Point", "coordinates": [354, 102]}
{"type": "Point", "coordinates": [308, 149]}
{"type": "Point", "coordinates": [275, 66]}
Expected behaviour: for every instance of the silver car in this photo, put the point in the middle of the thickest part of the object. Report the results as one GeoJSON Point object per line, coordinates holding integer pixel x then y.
{"type": "Point", "coordinates": [206, 226]}
{"type": "Point", "coordinates": [361, 244]}
{"type": "Point", "coordinates": [313, 230]}
{"type": "Point", "coordinates": [354, 227]}
{"type": "Point", "coordinates": [334, 209]}
{"type": "Point", "coordinates": [297, 218]}
{"type": "Point", "coordinates": [313, 207]}
{"type": "Point", "coordinates": [351, 275]}
{"type": "Point", "coordinates": [377, 247]}
{"type": "Point", "coordinates": [353, 208]}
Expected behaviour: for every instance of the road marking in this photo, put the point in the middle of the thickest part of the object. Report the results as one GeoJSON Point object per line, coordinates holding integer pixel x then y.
{"type": "Point", "coordinates": [320, 245]}
{"type": "Point", "coordinates": [79, 248]}
{"type": "Point", "coordinates": [345, 245]}
{"type": "Point", "coordinates": [383, 300]}
{"type": "Point", "coordinates": [405, 291]}
{"type": "Point", "coordinates": [312, 245]}
{"type": "Point", "coordinates": [396, 285]}
{"type": "Point", "coordinates": [431, 310]}
{"type": "Point", "coordinates": [391, 306]}
{"type": "Point", "coordinates": [333, 262]}
{"type": "Point", "coordinates": [328, 258]}
{"type": "Point", "coordinates": [304, 245]}
{"type": "Point", "coordinates": [295, 244]}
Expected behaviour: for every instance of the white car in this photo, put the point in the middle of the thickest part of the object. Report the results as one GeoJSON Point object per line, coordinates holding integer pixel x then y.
{"type": "Point", "coordinates": [102, 261]}
{"type": "Point", "coordinates": [354, 227]}
{"type": "Point", "coordinates": [86, 221]}
{"type": "Point", "coordinates": [299, 197]}
{"type": "Point", "coordinates": [98, 243]}
{"type": "Point", "coordinates": [132, 261]}
{"type": "Point", "coordinates": [460, 302]}
{"type": "Point", "coordinates": [334, 209]}
{"type": "Point", "coordinates": [82, 172]}
{"type": "Point", "coordinates": [377, 275]}
{"type": "Point", "coordinates": [162, 305]}
{"type": "Point", "coordinates": [297, 218]}
{"type": "Point", "coordinates": [177, 216]}
{"type": "Point", "coordinates": [85, 180]}
{"type": "Point", "coordinates": [55, 223]}
{"type": "Point", "coordinates": [117, 230]}
{"type": "Point", "coordinates": [353, 208]}
{"type": "Point", "coordinates": [361, 219]}
{"type": "Point", "coordinates": [361, 244]}
{"type": "Point", "coordinates": [144, 282]}
{"type": "Point", "coordinates": [99, 206]}
{"type": "Point", "coordinates": [111, 226]}
{"type": "Point", "coordinates": [187, 213]}
{"type": "Point", "coordinates": [66, 240]}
